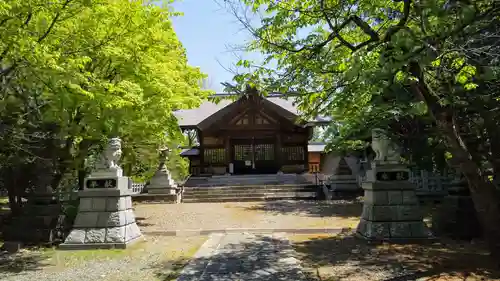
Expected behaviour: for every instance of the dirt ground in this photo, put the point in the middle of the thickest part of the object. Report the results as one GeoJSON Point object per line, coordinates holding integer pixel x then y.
{"type": "Point", "coordinates": [268, 215]}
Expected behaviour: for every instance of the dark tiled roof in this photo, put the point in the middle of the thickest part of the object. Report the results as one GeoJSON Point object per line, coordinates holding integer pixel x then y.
{"type": "Point", "coordinates": [190, 152]}
{"type": "Point", "coordinates": [193, 117]}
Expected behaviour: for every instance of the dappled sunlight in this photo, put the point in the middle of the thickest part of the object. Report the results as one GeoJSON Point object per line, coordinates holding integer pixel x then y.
{"type": "Point", "coordinates": [346, 257]}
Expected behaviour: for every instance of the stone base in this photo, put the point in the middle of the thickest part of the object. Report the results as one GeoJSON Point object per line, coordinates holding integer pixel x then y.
{"type": "Point", "coordinates": [105, 219]}
{"type": "Point", "coordinates": [107, 173]}
{"type": "Point", "coordinates": [162, 190]}
{"type": "Point", "coordinates": [456, 218]}
{"type": "Point", "coordinates": [37, 224]}
{"type": "Point", "coordinates": [75, 244]}
{"type": "Point", "coordinates": [392, 230]}
{"type": "Point", "coordinates": [391, 210]}
{"type": "Point", "coordinates": [157, 198]}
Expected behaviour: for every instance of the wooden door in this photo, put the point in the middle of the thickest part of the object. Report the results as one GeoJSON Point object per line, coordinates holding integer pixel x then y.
{"type": "Point", "coordinates": [253, 156]}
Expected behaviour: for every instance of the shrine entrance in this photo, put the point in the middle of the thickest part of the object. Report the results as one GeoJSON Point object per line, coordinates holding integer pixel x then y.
{"type": "Point", "coordinates": [254, 156]}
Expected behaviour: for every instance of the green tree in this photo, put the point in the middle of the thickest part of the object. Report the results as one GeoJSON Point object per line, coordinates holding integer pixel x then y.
{"type": "Point", "coordinates": [374, 63]}
{"type": "Point", "coordinates": [75, 72]}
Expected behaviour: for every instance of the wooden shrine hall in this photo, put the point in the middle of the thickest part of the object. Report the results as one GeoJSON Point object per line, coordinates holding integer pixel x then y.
{"type": "Point", "coordinates": [249, 134]}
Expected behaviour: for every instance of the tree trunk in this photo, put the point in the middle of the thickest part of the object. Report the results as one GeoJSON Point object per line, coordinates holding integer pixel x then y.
{"type": "Point", "coordinates": [484, 194]}
{"type": "Point", "coordinates": [81, 178]}
{"type": "Point", "coordinates": [493, 133]}
{"type": "Point", "coordinates": [13, 193]}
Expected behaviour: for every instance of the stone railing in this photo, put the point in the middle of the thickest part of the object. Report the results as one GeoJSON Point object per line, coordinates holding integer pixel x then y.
{"type": "Point", "coordinates": [137, 187]}
{"type": "Point", "coordinates": [428, 184]}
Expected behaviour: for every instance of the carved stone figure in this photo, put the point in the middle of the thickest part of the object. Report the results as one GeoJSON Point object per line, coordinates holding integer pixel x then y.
{"type": "Point", "coordinates": [111, 155]}
{"type": "Point", "coordinates": [164, 153]}
{"type": "Point", "coordinates": [385, 149]}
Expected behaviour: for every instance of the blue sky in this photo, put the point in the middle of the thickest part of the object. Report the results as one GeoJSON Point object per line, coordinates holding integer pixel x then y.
{"type": "Point", "coordinates": [208, 31]}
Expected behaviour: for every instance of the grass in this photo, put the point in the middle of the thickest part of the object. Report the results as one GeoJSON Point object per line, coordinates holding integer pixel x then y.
{"type": "Point", "coordinates": [60, 259]}
{"type": "Point", "coordinates": [4, 205]}
{"type": "Point", "coordinates": [165, 257]}
{"type": "Point", "coordinates": [4, 200]}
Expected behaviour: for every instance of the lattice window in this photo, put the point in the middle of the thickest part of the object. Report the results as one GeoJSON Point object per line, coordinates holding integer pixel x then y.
{"type": "Point", "coordinates": [264, 152]}
{"type": "Point", "coordinates": [214, 155]}
{"type": "Point", "coordinates": [242, 152]}
{"type": "Point", "coordinates": [293, 153]}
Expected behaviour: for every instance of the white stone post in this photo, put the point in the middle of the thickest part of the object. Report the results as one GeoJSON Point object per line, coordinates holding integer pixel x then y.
{"type": "Point", "coordinates": [105, 217]}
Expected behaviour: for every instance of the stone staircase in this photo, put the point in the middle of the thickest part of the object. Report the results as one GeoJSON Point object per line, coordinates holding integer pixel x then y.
{"type": "Point", "coordinates": [247, 188]}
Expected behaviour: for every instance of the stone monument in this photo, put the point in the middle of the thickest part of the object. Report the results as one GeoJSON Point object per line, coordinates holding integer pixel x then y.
{"type": "Point", "coordinates": [391, 210]}
{"type": "Point", "coordinates": [343, 178]}
{"type": "Point", "coordinates": [105, 218]}
{"type": "Point", "coordinates": [456, 216]}
{"type": "Point", "coordinates": [162, 182]}
{"type": "Point", "coordinates": [41, 219]}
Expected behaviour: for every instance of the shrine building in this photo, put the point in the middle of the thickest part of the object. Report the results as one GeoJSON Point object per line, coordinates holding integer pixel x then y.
{"type": "Point", "coordinates": [250, 134]}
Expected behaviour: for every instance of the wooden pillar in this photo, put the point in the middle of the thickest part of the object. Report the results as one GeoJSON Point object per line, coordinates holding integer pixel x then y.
{"type": "Point", "coordinates": [202, 153]}
{"type": "Point", "coordinates": [306, 157]}
{"type": "Point", "coordinates": [227, 145]}
{"type": "Point", "coordinates": [277, 152]}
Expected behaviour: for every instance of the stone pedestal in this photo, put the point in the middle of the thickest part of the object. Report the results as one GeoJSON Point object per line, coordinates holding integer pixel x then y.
{"type": "Point", "coordinates": [391, 210]}
{"type": "Point", "coordinates": [162, 183]}
{"type": "Point", "coordinates": [456, 216]}
{"type": "Point", "coordinates": [38, 223]}
{"type": "Point", "coordinates": [343, 180]}
{"type": "Point", "coordinates": [343, 183]}
{"type": "Point", "coordinates": [105, 217]}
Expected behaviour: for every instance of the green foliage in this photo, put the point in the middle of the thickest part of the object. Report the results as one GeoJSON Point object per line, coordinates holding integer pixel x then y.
{"type": "Point", "coordinates": [351, 60]}
{"type": "Point", "coordinates": [90, 70]}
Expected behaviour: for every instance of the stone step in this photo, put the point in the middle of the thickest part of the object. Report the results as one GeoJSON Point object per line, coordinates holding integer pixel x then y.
{"type": "Point", "coordinates": [248, 190]}
{"type": "Point", "coordinates": [245, 199]}
{"type": "Point", "coordinates": [244, 187]}
{"type": "Point", "coordinates": [245, 180]}
{"type": "Point", "coordinates": [260, 194]}
{"type": "Point", "coordinates": [242, 193]}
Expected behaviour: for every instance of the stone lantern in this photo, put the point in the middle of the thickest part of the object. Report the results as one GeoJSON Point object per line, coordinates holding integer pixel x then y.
{"type": "Point", "coordinates": [162, 182]}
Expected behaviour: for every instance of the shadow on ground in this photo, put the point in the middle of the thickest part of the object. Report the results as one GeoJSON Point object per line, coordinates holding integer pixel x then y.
{"type": "Point", "coordinates": [264, 259]}
{"type": "Point", "coordinates": [22, 261]}
{"type": "Point", "coordinates": [342, 257]}
{"type": "Point", "coordinates": [345, 257]}
{"type": "Point", "coordinates": [335, 208]}
{"type": "Point", "coordinates": [141, 221]}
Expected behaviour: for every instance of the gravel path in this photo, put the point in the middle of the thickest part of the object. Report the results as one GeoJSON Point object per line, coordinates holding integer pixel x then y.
{"type": "Point", "coordinates": [244, 256]}
{"type": "Point", "coordinates": [270, 214]}
{"type": "Point", "coordinates": [159, 256]}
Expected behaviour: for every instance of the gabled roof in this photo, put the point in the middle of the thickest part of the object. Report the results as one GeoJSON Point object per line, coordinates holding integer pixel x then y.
{"type": "Point", "coordinates": [193, 117]}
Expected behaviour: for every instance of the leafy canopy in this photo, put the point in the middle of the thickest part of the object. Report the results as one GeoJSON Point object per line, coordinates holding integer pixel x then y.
{"type": "Point", "coordinates": [349, 59]}
{"type": "Point", "coordinates": [93, 70]}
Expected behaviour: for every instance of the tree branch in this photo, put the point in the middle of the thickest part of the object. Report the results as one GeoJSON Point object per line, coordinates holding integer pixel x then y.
{"type": "Point", "coordinates": [54, 21]}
